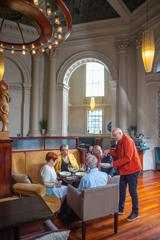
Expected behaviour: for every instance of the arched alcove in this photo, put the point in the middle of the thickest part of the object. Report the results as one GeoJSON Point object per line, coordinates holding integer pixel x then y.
{"type": "Point", "coordinates": [18, 77]}
{"type": "Point", "coordinates": [65, 73]}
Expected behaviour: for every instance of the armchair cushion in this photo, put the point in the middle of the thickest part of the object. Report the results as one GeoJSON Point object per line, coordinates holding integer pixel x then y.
{"type": "Point", "coordinates": [57, 235]}
{"type": "Point", "coordinates": [27, 189]}
{"type": "Point", "coordinates": [20, 178]}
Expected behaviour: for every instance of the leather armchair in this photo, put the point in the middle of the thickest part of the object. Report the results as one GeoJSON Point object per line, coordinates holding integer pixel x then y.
{"type": "Point", "coordinates": [95, 203]}
{"type": "Point", "coordinates": [25, 189]}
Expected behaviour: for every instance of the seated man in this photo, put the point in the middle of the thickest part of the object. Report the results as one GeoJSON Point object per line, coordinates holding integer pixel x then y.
{"type": "Point", "coordinates": [65, 160]}
{"type": "Point", "coordinates": [94, 178]}
{"type": "Point", "coordinates": [103, 158]}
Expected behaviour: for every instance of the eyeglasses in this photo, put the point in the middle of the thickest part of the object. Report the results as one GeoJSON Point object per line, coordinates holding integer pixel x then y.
{"type": "Point", "coordinates": [115, 134]}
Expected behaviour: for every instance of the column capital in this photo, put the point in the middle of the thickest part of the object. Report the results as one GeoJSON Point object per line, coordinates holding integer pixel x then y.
{"type": "Point", "coordinates": [138, 39]}
{"type": "Point", "coordinates": [51, 53]}
{"type": "Point", "coordinates": [36, 56]}
{"type": "Point", "coordinates": [113, 83]}
{"type": "Point", "coordinates": [122, 44]}
{"type": "Point", "coordinates": [27, 86]}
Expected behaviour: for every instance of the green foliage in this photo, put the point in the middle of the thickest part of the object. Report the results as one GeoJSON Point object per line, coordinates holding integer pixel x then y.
{"type": "Point", "coordinates": [43, 124]}
{"type": "Point", "coordinates": [132, 130]}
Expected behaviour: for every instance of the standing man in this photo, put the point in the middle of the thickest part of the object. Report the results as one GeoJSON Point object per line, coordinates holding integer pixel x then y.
{"type": "Point", "coordinates": [128, 165]}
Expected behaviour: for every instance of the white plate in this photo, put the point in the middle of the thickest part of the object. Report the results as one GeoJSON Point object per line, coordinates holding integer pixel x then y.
{"type": "Point", "coordinates": [104, 165]}
{"type": "Point", "coordinates": [80, 174]}
{"type": "Point", "coordinates": [65, 174]}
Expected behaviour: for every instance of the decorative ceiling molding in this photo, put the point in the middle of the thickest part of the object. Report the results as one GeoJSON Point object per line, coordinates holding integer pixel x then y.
{"type": "Point", "coordinates": [121, 9]}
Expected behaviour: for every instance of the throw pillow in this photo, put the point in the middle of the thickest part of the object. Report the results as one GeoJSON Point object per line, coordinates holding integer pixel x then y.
{"type": "Point", "coordinates": [20, 178]}
{"type": "Point", "coordinates": [59, 235]}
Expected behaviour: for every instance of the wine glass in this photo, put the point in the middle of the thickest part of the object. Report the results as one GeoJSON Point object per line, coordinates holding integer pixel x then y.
{"type": "Point", "coordinates": [70, 168]}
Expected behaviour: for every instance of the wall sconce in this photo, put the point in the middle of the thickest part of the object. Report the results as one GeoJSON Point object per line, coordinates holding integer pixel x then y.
{"type": "Point", "coordinates": [92, 104]}
{"type": "Point", "coordinates": [1, 66]}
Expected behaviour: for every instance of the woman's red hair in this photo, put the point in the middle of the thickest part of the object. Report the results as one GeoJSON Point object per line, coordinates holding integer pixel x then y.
{"type": "Point", "coordinates": [51, 155]}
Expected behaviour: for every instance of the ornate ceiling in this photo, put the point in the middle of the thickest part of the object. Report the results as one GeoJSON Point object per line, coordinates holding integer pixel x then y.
{"type": "Point", "coordinates": [84, 11]}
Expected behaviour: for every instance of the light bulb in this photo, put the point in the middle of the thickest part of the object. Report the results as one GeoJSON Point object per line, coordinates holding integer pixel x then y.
{"type": "Point", "coordinates": [50, 46]}
{"type": "Point", "coordinates": [36, 2]}
{"type": "Point", "coordinates": [56, 42]}
{"type": "Point", "coordinates": [56, 20]}
{"type": "Point", "coordinates": [12, 50]}
{"type": "Point", "coordinates": [49, 10]}
{"type": "Point", "coordinates": [42, 49]}
{"type": "Point", "coordinates": [59, 29]}
{"type": "Point", "coordinates": [23, 52]}
{"type": "Point", "coordinates": [33, 51]}
{"type": "Point", "coordinates": [59, 36]}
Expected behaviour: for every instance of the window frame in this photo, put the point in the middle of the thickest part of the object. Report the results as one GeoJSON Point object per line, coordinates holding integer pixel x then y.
{"type": "Point", "coordinates": [93, 95]}
{"type": "Point", "coordinates": [92, 134]}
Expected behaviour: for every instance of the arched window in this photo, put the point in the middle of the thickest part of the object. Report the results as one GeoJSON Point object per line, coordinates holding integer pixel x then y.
{"type": "Point", "coordinates": [94, 79]}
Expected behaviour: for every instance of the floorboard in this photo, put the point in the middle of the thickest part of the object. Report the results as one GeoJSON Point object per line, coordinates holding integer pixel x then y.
{"type": "Point", "coordinates": [147, 227]}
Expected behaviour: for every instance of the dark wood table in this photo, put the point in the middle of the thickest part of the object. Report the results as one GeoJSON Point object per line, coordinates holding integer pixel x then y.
{"type": "Point", "coordinates": [15, 213]}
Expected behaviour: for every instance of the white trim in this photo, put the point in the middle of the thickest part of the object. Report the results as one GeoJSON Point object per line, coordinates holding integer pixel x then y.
{"type": "Point", "coordinates": [81, 58]}
{"type": "Point", "coordinates": [120, 7]}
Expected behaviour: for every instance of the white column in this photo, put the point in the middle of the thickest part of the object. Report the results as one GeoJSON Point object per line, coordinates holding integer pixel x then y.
{"type": "Point", "coordinates": [52, 94]}
{"type": "Point", "coordinates": [34, 113]}
{"type": "Point", "coordinates": [122, 46]}
{"type": "Point", "coordinates": [113, 85]}
{"type": "Point", "coordinates": [140, 87]}
{"type": "Point", "coordinates": [26, 104]}
{"type": "Point", "coordinates": [62, 111]}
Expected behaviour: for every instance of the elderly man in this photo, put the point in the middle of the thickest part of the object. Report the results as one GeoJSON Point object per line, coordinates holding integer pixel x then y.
{"type": "Point", "coordinates": [102, 158]}
{"type": "Point", "coordinates": [94, 178]}
{"type": "Point", "coordinates": [129, 166]}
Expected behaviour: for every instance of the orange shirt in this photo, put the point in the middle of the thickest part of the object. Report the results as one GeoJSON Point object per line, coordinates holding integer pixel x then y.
{"type": "Point", "coordinates": [126, 156]}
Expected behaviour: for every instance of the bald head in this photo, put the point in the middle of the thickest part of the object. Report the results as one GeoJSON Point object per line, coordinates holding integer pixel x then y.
{"type": "Point", "coordinates": [117, 133]}
{"type": "Point", "coordinates": [97, 150]}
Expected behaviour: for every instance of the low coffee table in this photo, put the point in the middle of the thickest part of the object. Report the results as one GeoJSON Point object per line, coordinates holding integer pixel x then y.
{"type": "Point", "coordinates": [15, 213]}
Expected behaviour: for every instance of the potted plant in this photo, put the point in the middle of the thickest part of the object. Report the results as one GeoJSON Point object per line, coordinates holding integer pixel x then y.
{"type": "Point", "coordinates": [132, 130]}
{"type": "Point", "coordinates": [43, 126]}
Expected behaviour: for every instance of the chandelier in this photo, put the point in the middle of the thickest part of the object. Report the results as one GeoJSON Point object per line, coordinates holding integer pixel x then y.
{"type": "Point", "coordinates": [50, 20]}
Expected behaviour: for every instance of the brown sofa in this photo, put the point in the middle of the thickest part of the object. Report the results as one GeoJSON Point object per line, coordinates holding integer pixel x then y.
{"type": "Point", "coordinates": [30, 163]}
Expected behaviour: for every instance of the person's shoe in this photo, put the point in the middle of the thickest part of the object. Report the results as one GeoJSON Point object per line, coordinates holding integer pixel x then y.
{"type": "Point", "coordinates": [132, 217]}
{"type": "Point", "coordinates": [121, 213]}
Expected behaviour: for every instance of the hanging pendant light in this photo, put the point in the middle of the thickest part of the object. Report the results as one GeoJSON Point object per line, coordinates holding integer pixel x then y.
{"type": "Point", "coordinates": [148, 50]}
{"type": "Point", "coordinates": [1, 66]}
{"type": "Point", "coordinates": [148, 45]}
{"type": "Point", "coordinates": [92, 104]}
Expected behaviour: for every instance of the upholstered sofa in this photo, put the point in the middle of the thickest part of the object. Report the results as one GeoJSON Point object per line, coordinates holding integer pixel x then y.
{"type": "Point", "coordinates": [30, 163]}
{"type": "Point", "coordinates": [95, 203]}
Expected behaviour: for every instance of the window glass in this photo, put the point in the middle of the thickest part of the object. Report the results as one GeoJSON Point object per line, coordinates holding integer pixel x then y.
{"type": "Point", "coordinates": [94, 79]}
{"type": "Point", "coordinates": [94, 121]}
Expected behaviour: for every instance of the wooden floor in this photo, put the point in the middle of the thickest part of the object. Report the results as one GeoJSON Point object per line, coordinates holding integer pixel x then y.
{"type": "Point", "coordinates": [147, 227]}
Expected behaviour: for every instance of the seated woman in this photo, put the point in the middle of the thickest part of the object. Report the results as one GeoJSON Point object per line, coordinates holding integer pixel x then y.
{"type": "Point", "coordinates": [49, 177]}
{"type": "Point", "coordinates": [65, 160]}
